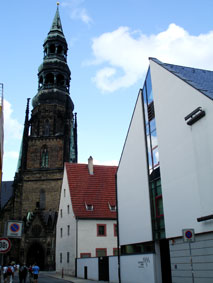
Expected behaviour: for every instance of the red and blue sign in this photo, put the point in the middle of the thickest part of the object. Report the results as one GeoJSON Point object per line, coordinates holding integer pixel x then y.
{"type": "Point", "coordinates": [188, 235]}
{"type": "Point", "coordinates": [14, 229]}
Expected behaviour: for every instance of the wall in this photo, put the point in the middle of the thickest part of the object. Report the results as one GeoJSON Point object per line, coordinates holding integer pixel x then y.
{"type": "Point", "coordinates": [66, 243]}
{"type": "Point", "coordinates": [132, 184]}
{"type": "Point", "coordinates": [185, 152]}
{"type": "Point", "coordinates": [113, 269]}
{"type": "Point", "coordinates": [92, 268]}
{"type": "Point", "coordinates": [138, 268]}
{"type": "Point", "coordinates": [200, 259]}
{"type": "Point", "coordinates": [89, 243]}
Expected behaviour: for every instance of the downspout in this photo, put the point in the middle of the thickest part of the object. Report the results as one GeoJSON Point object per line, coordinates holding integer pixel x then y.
{"type": "Point", "coordinates": [76, 246]}
{"type": "Point", "coordinates": [118, 238]}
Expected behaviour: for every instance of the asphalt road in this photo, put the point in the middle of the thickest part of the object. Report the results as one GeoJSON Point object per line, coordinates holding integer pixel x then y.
{"type": "Point", "coordinates": [43, 278]}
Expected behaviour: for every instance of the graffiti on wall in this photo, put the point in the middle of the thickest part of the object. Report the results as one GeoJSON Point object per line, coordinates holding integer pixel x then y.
{"type": "Point", "coordinates": [144, 262]}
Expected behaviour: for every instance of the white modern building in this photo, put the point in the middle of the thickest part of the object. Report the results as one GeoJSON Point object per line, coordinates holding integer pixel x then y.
{"type": "Point", "coordinates": [87, 219]}
{"type": "Point", "coordinates": [165, 177]}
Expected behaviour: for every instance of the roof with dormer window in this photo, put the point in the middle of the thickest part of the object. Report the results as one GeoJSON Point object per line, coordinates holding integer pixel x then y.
{"type": "Point", "coordinates": [96, 190]}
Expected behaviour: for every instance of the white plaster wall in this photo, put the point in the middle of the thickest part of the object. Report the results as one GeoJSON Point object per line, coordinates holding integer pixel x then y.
{"type": "Point", "coordinates": [66, 243]}
{"type": "Point", "coordinates": [132, 184]}
{"type": "Point", "coordinates": [185, 152]}
{"type": "Point", "coordinates": [92, 268]}
{"type": "Point", "coordinates": [113, 269]}
{"type": "Point", "coordinates": [138, 269]}
{"type": "Point", "coordinates": [88, 240]}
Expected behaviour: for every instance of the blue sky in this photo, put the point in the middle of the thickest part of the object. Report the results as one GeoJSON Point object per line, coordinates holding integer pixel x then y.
{"type": "Point", "coordinates": [109, 45]}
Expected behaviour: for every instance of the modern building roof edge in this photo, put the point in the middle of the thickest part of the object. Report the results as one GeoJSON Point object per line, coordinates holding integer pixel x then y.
{"type": "Point", "coordinates": [165, 66]}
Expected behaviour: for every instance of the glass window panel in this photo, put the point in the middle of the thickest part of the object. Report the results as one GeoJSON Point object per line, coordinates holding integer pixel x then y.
{"type": "Point", "coordinates": [149, 87]}
{"type": "Point", "coordinates": [147, 129]}
{"type": "Point", "coordinates": [159, 206]}
{"type": "Point", "coordinates": [145, 103]}
{"type": "Point", "coordinates": [100, 252]}
{"type": "Point", "coordinates": [155, 156]}
{"type": "Point", "coordinates": [154, 139]}
{"type": "Point", "coordinates": [152, 125]}
{"type": "Point", "coordinates": [148, 144]}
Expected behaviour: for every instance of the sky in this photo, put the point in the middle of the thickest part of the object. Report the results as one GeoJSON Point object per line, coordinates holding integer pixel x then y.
{"type": "Point", "coordinates": [109, 42]}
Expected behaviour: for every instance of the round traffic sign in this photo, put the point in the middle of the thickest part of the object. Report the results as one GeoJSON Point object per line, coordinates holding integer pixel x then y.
{"type": "Point", "coordinates": [5, 245]}
{"type": "Point", "coordinates": [188, 234]}
{"type": "Point", "coordinates": [14, 227]}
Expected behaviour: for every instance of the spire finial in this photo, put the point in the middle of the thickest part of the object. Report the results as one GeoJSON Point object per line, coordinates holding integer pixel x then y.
{"type": "Point", "coordinates": [58, 3]}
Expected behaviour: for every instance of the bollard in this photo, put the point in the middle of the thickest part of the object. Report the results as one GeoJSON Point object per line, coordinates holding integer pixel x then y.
{"type": "Point", "coordinates": [62, 273]}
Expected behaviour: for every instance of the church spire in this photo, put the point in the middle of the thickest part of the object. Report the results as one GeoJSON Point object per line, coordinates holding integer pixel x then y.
{"type": "Point", "coordinates": [56, 24]}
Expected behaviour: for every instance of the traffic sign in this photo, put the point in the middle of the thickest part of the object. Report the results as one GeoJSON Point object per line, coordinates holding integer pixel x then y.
{"type": "Point", "coordinates": [188, 235]}
{"type": "Point", "coordinates": [5, 245]}
{"type": "Point", "coordinates": [14, 229]}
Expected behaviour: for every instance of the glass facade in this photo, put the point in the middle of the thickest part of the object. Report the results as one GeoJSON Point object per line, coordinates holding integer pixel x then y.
{"type": "Point", "coordinates": [153, 160]}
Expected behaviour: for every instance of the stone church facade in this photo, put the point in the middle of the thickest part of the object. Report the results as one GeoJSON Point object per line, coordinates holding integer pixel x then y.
{"type": "Point", "coordinates": [49, 140]}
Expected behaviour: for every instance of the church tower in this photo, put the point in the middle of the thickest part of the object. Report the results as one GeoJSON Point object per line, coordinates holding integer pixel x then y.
{"type": "Point", "coordinates": [49, 140]}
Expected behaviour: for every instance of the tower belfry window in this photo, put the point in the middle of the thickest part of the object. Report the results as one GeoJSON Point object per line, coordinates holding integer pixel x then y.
{"type": "Point", "coordinates": [44, 157]}
{"type": "Point", "coordinates": [59, 49]}
{"type": "Point", "coordinates": [52, 48]}
{"type": "Point", "coordinates": [60, 80]}
{"type": "Point", "coordinates": [49, 79]}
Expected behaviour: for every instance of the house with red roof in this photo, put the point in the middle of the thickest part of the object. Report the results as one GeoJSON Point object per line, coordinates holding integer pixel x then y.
{"type": "Point", "coordinates": [87, 219]}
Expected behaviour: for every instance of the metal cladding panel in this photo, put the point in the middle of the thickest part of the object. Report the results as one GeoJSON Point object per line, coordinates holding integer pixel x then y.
{"type": "Point", "coordinates": [194, 259]}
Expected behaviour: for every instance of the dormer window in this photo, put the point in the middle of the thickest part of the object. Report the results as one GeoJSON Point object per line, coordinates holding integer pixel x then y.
{"type": "Point", "coordinates": [89, 207]}
{"type": "Point", "coordinates": [112, 207]}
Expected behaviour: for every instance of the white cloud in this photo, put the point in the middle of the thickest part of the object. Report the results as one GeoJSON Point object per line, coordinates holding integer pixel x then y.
{"type": "Point", "coordinates": [124, 54]}
{"type": "Point", "coordinates": [77, 12]}
{"type": "Point", "coordinates": [12, 128]}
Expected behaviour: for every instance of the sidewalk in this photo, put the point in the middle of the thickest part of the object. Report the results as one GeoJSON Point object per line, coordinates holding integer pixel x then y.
{"type": "Point", "coordinates": [68, 278]}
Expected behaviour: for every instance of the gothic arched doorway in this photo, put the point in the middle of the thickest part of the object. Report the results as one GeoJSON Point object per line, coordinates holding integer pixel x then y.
{"type": "Point", "coordinates": [36, 254]}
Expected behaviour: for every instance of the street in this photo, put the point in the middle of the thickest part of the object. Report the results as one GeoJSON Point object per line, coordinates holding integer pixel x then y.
{"type": "Point", "coordinates": [43, 278]}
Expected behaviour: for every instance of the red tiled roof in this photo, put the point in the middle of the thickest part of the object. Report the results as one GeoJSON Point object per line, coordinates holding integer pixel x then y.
{"type": "Point", "coordinates": [97, 190]}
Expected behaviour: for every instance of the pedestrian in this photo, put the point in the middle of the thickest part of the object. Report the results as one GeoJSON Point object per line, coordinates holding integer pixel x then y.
{"type": "Point", "coordinates": [5, 273]}
{"type": "Point", "coordinates": [35, 269]}
{"type": "Point", "coordinates": [0, 272]}
{"type": "Point", "coordinates": [10, 273]}
{"type": "Point", "coordinates": [23, 273]}
{"type": "Point", "coordinates": [30, 274]}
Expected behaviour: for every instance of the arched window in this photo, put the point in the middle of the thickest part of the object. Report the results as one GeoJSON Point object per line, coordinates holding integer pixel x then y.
{"type": "Point", "coordinates": [46, 128]}
{"type": "Point", "coordinates": [42, 199]}
{"type": "Point", "coordinates": [52, 48]}
{"type": "Point", "coordinates": [40, 81]}
{"type": "Point", "coordinates": [44, 157]}
{"type": "Point", "coordinates": [45, 52]}
{"type": "Point", "coordinates": [59, 49]}
{"type": "Point", "coordinates": [60, 80]}
{"type": "Point", "coordinates": [49, 79]}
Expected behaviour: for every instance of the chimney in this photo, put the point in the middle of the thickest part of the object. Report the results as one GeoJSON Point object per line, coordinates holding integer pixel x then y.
{"type": "Point", "coordinates": [90, 165]}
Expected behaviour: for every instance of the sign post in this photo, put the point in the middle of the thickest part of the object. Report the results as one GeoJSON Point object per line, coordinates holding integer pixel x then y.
{"type": "Point", "coordinates": [189, 236]}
